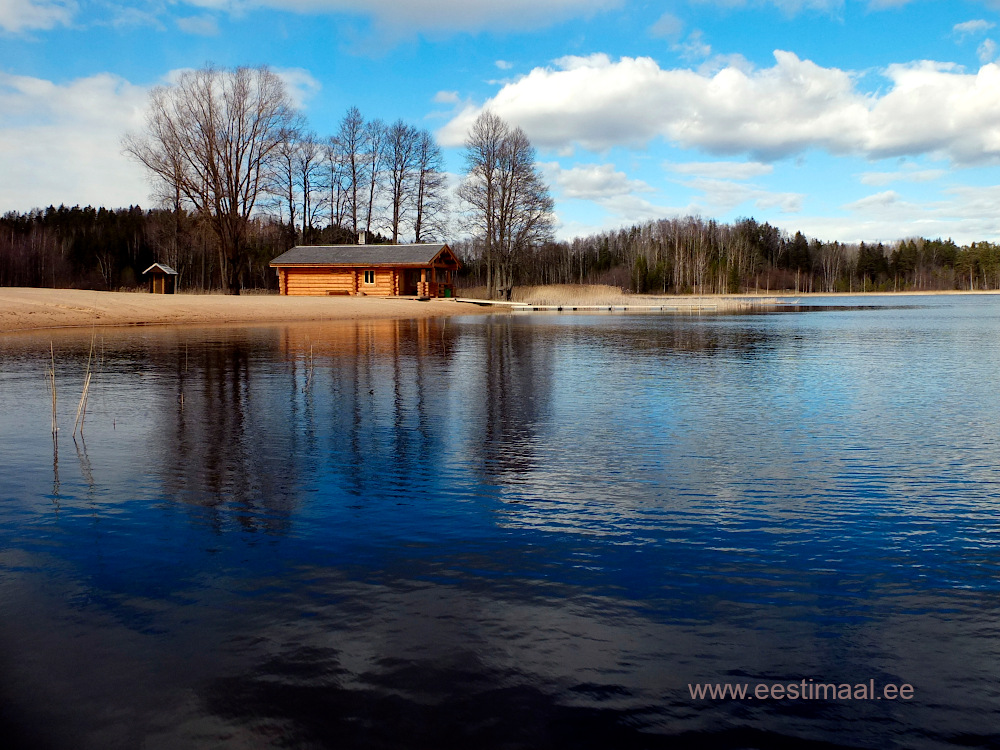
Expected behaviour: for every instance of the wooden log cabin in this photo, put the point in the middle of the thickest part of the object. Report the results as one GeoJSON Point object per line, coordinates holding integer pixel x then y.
{"type": "Point", "coordinates": [421, 270]}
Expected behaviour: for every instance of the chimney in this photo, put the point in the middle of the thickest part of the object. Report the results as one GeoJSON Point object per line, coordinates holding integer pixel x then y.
{"type": "Point", "coordinates": [362, 238]}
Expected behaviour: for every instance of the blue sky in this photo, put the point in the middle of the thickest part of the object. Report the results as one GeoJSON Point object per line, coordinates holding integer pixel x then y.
{"type": "Point", "coordinates": [847, 120]}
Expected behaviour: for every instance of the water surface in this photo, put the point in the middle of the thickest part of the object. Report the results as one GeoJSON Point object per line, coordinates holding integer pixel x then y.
{"type": "Point", "coordinates": [511, 531]}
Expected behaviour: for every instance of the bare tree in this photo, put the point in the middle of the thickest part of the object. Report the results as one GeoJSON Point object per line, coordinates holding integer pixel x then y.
{"type": "Point", "coordinates": [375, 133]}
{"type": "Point", "coordinates": [431, 201]}
{"type": "Point", "coordinates": [283, 185]}
{"type": "Point", "coordinates": [402, 165]}
{"type": "Point", "coordinates": [509, 204]}
{"type": "Point", "coordinates": [308, 172]}
{"type": "Point", "coordinates": [336, 182]}
{"type": "Point", "coordinates": [350, 143]}
{"type": "Point", "coordinates": [214, 136]}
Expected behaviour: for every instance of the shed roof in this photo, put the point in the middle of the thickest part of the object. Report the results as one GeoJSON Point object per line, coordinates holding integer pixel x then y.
{"type": "Point", "coordinates": [162, 268]}
{"type": "Point", "coordinates": [360, 255]}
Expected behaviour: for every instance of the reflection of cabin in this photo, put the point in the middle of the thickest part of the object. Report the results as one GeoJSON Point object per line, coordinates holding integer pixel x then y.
{"type": "Point", "coordinates": [377, 270]}
{"type": "Point", "coordinates": [162, 279]}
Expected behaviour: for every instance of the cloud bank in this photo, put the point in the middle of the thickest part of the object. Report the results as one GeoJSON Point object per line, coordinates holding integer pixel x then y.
{"type": "Point", "coordinates": [17, 16]}
{"type": "Point", "coordinates": [61, 143]}
{"type": "Point", "coordinates": [768, 114]}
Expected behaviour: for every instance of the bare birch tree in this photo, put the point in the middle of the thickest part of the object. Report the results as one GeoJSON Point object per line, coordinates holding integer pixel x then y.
{"type": "Point", "coordinates": [214, 136]}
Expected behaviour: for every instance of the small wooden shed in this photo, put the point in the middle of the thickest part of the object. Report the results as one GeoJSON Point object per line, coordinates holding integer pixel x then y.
{"type": "Point", "coordinates": [162, 279]}
{"type": "Point", "coordinates": [419, 270]}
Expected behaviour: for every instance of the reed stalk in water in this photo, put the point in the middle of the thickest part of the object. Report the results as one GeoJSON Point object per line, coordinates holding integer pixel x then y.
{"type": "Point", "coordinates": [51, 376]}
{"type": "Point", "coordinates": [81, 409]}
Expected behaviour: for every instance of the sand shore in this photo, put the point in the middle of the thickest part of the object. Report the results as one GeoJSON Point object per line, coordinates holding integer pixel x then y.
{"type": "Point", "coordinates": [23, 309]}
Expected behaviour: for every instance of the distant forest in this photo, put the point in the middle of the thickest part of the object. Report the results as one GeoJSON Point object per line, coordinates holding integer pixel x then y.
{"type": "Point", "coordinates": [98, 248]}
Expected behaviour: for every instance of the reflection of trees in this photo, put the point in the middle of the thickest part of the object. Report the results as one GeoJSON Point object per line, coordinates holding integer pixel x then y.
{"type": "Point", "coordinates": [377, 403]}
{"type": "Point", "coordinates": [225, 444]}
{"type": "Point", "coordinates": [510, 394]}
{"type": "Point", "coordinates": [252, 420]}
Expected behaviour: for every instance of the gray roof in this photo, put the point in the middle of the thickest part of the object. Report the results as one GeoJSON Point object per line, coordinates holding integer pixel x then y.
{"type": "Point", "coordinates": [166, 269]}
{"type": "Point", "coordinates": [359, 255]}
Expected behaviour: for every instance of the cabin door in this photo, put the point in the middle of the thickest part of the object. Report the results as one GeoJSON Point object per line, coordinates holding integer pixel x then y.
{"type": "Point", "coordinates": [411, 276]}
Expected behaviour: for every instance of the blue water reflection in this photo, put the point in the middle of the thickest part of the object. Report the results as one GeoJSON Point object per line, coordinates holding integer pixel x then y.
{"type": "Point", "coordinates": [512, 531]}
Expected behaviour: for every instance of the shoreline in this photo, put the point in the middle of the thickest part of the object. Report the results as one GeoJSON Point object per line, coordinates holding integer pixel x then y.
{"type": "Point", "coordinates": [25, 309]}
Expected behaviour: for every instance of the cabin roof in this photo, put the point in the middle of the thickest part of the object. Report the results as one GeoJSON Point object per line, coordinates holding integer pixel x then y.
{"type": "Point", "coordinates": [161, 268]}
{"type": "Point", "coordinates": [360, 255]}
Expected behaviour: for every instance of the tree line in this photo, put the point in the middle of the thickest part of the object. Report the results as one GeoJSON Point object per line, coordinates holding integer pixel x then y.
{"type": "Point", "coordinates": [99, 248]}
{"type": "Point", "coordinates": [108, 249]}
{"type": "Point", "coordinates": [694, 255]}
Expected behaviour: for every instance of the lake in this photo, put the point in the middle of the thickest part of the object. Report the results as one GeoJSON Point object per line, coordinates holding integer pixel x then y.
{"type": "Point", "coordinates": [538, 530]}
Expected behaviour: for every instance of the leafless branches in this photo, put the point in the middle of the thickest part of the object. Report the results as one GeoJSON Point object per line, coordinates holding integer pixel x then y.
{"type": "Point", "coordinates": [508, 204]}
{"type": "Point", "coordinates": [214, 138]}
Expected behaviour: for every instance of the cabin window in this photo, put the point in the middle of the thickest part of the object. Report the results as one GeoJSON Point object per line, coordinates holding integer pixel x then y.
{"type": "Point", "coordinates": [369, 277]}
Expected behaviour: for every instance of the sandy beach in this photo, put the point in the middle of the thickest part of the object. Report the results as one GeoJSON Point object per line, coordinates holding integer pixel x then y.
{"type": "Point", "coordinates": [23, 309]}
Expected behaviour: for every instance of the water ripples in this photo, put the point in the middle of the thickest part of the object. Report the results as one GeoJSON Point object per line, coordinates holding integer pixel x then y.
{"type": "Point", "coordinates": [527, 531]}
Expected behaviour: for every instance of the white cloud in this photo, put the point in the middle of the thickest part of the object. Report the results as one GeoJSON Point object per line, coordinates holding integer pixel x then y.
{"type": "Point", "coordinates": [877, 202]}
{"type": "Point", "coordinates": [668, 26]}
{"type": "Point", "coordinates": [592, 181]}
{"type": "Point", "coordinates": [446, 97]}
{"type": "Point", "coordinates": [966, 214]}
{"type": "Point", "coordinates": [632, 209]}
{"type": "Point", "coordinates": [26, 15]}
{"type": "Point", "coordinates": [987, 51]}
{"type": "Point", "coordinates": [694, 47]}
{"type": "Point", "coordinates": [722, 170]}
{"type": "Point", "coordinates": [886, 4]}
{"type": "Point", "coordinates": [966, 28]}
{"type": "Point", "coordinates": [61, 143]}
{"type": "Point", "coordinates": [438, 15]}
{"type": "Point", "coordinates": [204, 25]}
{"type": "Point", "coordinates": [300, 84]}
{"type": "Point", "coordinates": [876, 179]}
{"type": "Point", "coordinates": [771, 113]}
{"type": "Point", "coordinates": [504, 65]}
{"type": "Point", "coordinates": [720, 196]}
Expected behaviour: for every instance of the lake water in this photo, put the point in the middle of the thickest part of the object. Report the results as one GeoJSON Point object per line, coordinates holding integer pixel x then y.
{"type": "Point", "coordinates": [511, 531]}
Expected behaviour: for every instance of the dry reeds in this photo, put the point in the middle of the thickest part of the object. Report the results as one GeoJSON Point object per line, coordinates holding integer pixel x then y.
{"type": "Point", "coordinates": [81, 409]}
{"type": "Point", "coordinates": [572, 294]}
{"type": "Point", "coordinates": [51, 377]}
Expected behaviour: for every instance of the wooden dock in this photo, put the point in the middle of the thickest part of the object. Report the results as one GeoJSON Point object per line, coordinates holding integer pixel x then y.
{"type": "Point", "coordinates": [674, 306]}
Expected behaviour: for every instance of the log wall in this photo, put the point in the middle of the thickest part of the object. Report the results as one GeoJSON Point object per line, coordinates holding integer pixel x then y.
{"type": "Point", "coordinates": [320, 283]}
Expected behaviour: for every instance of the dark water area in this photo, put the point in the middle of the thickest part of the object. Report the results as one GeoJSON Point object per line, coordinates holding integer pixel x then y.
{"type": "Point", "coordinates": [516, 531]}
